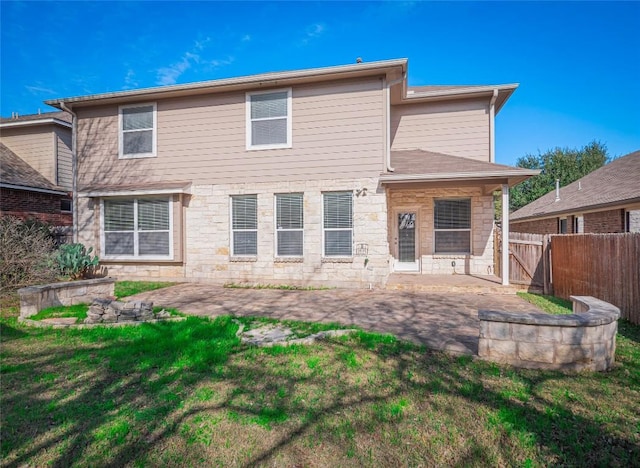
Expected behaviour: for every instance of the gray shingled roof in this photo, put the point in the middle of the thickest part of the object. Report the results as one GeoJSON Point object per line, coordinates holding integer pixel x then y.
{"type": "Point", "coordinates": [60, 115]}
{"type": "Point", "coordinates": [430, 162]}
{"type": "Point", "coordinates": [616, 182]}
{"type": "Point", "coordinates": [14, 171]}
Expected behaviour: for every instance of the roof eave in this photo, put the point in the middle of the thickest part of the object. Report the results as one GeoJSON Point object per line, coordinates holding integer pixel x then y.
{"type": "Point", "coordinates": [29, 123]}
{"type": "Point", "coordinates": [504, 92]}
{"type": "Point", "coordinates": [514, 177]}
{"type": "Point", "coordinates": [33, 189]}
{"type": "Point", "coordinates": [580, 209]}
{"type": "Point", "coordinates": [244, 82]}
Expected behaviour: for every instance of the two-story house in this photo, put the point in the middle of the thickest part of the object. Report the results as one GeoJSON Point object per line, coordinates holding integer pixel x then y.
{"type": "Point", "coordinates": [37, 174]}
{"type": "Point", "coordinates": [334, 176]}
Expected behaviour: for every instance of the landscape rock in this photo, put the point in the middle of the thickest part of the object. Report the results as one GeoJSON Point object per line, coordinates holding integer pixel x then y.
{"type": "Point", "coordinates": [113, 311]}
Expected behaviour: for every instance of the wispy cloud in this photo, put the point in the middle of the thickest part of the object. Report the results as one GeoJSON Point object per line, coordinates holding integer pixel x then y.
{"type": "Point", "coordinates": [313, 31]}
{"type": "Point", "coordinates": [246, 38]}
{"type": "Point", "coordinates": [170, 75]}
{"type": "Point", "coordinates": [35, 90]}
{"type": "Point", "coordinates": [130, 81]}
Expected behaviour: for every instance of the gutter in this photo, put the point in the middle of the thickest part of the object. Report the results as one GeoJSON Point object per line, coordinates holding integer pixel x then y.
{"type": "Point", "coordinates": [74, 169]}
{"type": "Point", "coordinates": [32, 189]}
{"type": "Point", "coordinates": [457, 175]}
{"type": "Point", "coordinates": [26, 123]}
{"type": "Point", "coordinates": [492, 126]}
{"type": "Point", "coordinates": [387, 95]}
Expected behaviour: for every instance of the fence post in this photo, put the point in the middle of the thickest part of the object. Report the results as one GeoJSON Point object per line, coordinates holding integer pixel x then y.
{"type": "Point", "coordinates": [546, 265]}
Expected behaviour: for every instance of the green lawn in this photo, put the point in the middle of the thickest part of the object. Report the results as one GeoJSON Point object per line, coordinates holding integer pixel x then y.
{"type": "Point", "coordinates": [189, 394]}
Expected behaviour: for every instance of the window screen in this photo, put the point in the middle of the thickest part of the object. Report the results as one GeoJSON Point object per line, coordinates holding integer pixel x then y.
{"type": "Point", "coordinates": [338, 224]}
{"type": "Point", "coordinates": [289, 224]}
{"type": "Point", "coordinates": [137, 130]}
{"type": "Point", "coordinates": [137, 228]}
{"type": "Point", "coordinates": [244, 224]}
{"type": "Point", "coordinates": [452, 226]}
{"type": "Point", "coordinates": [269, 114]}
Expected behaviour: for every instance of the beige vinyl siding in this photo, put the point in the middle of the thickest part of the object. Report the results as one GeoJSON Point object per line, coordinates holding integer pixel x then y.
{"type": "Point", "coordinates": [458, 128]}
{"type": "Point", "coordinates": [35, 145]}
{"type": "Point", "coordinates": [65, 168]}
{"type": "Point", "coordinates": [338, 132]}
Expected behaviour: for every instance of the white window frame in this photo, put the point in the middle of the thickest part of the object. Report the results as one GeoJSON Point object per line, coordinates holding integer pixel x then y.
{"type": "Point", "coordinates": [277, 229]}
{"type": "Point", "coordinates": [231, 230]}
{"type": "Point", "coordinates": [121, 131]}
{"type": "Point", "coordinates": [324, 255]}
{"type": "Point", "coordinates": [136, 244]}
{"type": "Point", "coordinates": [576, 224]}
{"type": "Point", "coordinates": [469, 230]}
{"type": "Point", "coordinates": [289, 143]}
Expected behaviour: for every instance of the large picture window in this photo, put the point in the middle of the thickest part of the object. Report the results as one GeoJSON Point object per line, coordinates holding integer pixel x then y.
{"type": "Point", "coordinates": [137, 228]}
{"type": "Point", "coordinates": [244, 225]}
{"type": "Point", "coordinates": [452, 226]}
{"type": "Point", "coordinates": [289, 225]}
{"type": "Point", "coordinates": [338, 224]}
{"type": "Point", "coordinates": [269, 119]}
{"type": "Point", "coordinates": [138, 131]}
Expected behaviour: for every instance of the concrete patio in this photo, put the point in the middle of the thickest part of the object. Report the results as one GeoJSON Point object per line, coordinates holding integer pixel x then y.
{"type": "Point", "coordinates": [442, 321]}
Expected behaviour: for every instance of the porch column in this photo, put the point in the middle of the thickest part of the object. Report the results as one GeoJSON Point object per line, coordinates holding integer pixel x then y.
{"type": "Point", "coordinates": [505, 235]}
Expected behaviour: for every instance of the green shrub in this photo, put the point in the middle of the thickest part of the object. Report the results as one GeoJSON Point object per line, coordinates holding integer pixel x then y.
{"type": "Point", "coordinates": [75, 260]}
{"type": "Point", "coordinates": [26, 253]}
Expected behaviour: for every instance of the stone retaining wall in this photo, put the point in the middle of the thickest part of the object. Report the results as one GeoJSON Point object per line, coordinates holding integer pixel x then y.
{"type": "Point", "coordinates": [584, 340]}
{"type": "Point", "coordinates": [35, 298]}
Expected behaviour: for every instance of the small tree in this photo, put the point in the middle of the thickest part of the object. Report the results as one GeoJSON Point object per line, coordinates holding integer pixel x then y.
{"type": "Point", "coordinates": [565, 164]}
{"type": "Point", "coordinates": [26, 253]}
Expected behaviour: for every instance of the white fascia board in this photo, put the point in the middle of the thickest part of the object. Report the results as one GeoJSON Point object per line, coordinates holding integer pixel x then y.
{"type": "Point", "coordinates": [460, 91]}
{"type": "Point", "coordinates": [133, 193]}
{"type": "Point", "coordinates": [391, 178]}
{"type": "Point", "coordinates": [33, 189]}
{"type": "Point", "coordinates": [238, 81]}
{"type": "Point", "coordinates": [27, 123]}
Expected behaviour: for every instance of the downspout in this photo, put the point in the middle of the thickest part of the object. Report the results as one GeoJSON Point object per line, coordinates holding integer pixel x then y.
{"type": "Point", "coordinates": [74, 169]}
{"type": "Point", "coordinates": [492, 127]}
{"type": "Point", "coordinates": [387, 87]}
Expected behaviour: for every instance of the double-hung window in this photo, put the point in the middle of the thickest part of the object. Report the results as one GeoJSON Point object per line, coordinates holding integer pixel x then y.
{"type": "Point", "coordinates": [139, 228]}
{"type": "Point", "coordinates": [452, 226]}
{"type": "Point", "coordinates": [244, 225]}
{"type": "Point", "coordinates": [269, 119]}
{"type": "Point", "coordinates": [338, 224]}
{"type": "Point", "coordinates": [138, 131]}
{"type": "Point", "coordinates": [289, 225]}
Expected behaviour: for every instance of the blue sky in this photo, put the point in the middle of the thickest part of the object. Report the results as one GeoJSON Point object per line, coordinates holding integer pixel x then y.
{"type": "Point", "coordinates": [578, 63]}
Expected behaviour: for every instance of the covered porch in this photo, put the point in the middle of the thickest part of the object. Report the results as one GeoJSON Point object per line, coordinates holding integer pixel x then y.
{"type": "Point", "coordinates": [441, 216]}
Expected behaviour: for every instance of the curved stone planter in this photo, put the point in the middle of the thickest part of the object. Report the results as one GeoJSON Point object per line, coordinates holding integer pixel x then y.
{"type": "Point", "coordinates": [35, 298]}
{"type": "Point", "coordinates": [584, 340]}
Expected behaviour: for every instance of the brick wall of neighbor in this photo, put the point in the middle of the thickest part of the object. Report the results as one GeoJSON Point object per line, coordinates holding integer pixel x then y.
{"type": "Point", "coordinates": [480, 262]}
{"type": "Point", "coordinates": [540, 226]}
{"type": "Point", "coordinates": [604, 221]}
{"type": "Point", "coordinates": [24, 204]}
{"type": "Point", "coordinates": [207, 233]}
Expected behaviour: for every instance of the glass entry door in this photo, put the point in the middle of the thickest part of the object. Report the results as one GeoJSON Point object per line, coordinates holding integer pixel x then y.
{"type": "Point", "coordinates": [406, 252]}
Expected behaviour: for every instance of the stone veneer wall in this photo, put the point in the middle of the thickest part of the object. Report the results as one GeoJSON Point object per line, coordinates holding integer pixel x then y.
{"type": "Point", "coordinates": [584, 340]}
{"type": "Point", "coordinates": [480, 261]}
{"type": "Point", "coordinates": [35, 298]}
{"type": "Point", "coordinates": [207, 254]}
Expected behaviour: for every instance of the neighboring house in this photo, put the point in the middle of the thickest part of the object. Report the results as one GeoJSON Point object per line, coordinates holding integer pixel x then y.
{"type": "Point", "coordinates": [37, 172]}
{"type": "Point", "coordinates": [334, 176]}
{"type": "Point", "coordinates": [27, 194]}
{"type": "Point", "coordinates": [605, 200]}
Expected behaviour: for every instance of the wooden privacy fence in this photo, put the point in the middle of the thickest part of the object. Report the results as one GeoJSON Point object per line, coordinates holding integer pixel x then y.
{"type": "Point", "coordinates": [529, 261]}
{"type": "Point", "coordinates": [606, 266]}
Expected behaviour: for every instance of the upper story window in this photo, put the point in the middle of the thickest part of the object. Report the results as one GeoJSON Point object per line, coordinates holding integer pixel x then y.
{"type": "Point", "coordinates": [337, 224]}
{"type": "Point", "coordinates": [138, 131]}
{"type": "Point", "coordinates": [452, 226]}
{"type": "Point", "coordinates": [269, 119]}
